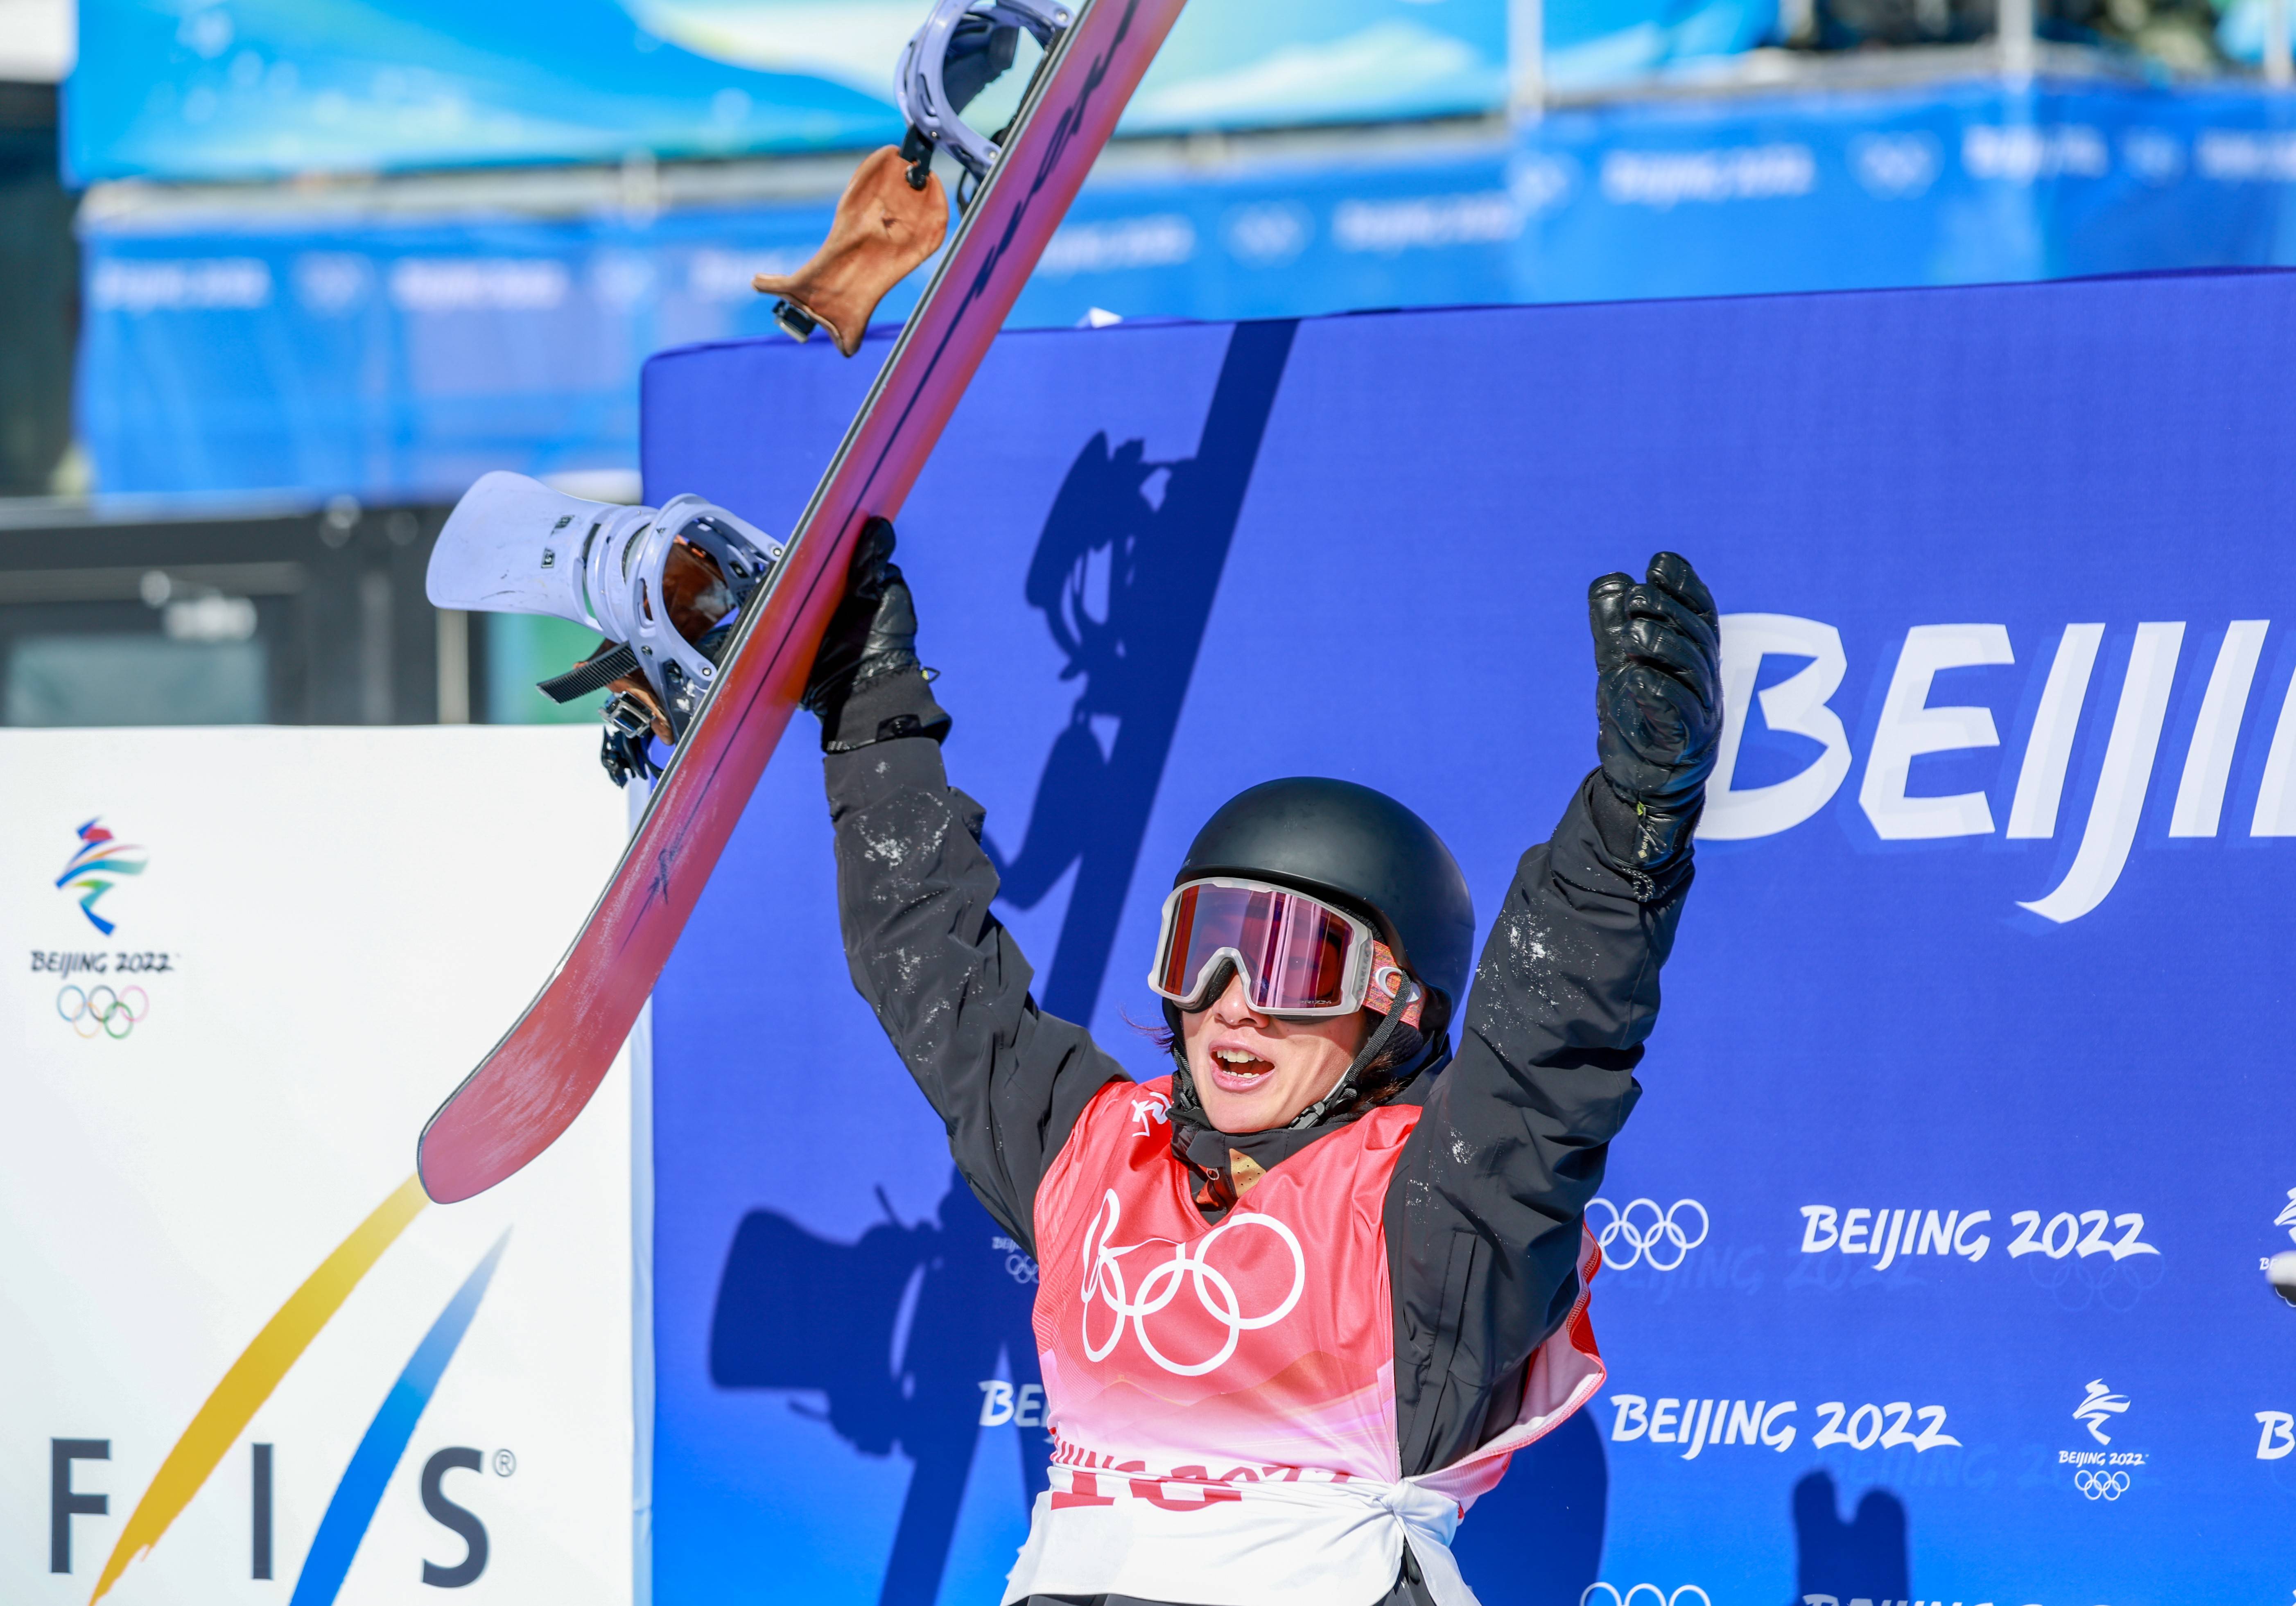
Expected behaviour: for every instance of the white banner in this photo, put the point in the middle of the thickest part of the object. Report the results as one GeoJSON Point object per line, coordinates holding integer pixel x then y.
{"type": "Point", "coordinates": [240, 969]}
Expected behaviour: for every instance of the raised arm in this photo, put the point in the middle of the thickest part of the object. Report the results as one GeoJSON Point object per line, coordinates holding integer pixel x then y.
{"type": "Point", "coordinates": [1483, 1222]}
{"type": "Point", "coordinates": [914, 890]}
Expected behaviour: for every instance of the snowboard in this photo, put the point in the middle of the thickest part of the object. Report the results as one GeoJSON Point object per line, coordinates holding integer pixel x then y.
{"type": "Point", "coordinates": [533, 1084]}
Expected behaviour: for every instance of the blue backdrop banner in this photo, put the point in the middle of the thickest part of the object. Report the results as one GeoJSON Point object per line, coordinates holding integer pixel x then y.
{"type": "Point", "coordinates": [1935, 1244]}
{"type": "Point", "coordinates": [396, 358]}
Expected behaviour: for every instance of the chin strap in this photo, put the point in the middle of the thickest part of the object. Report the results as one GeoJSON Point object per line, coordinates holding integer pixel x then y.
{"type": "Point", "coordinates": [1343, 1091]}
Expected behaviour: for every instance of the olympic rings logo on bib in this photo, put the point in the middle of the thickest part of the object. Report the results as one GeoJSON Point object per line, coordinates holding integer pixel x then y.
{"type": "Point", "coordinates": [1215, 1292]}
{"type": "Point", "coordinates": [101, 1011]}
{"type": "Point", "coordinates": [2101, 1485]}
{"type": "Point", "coordinates": [1661, 1234]}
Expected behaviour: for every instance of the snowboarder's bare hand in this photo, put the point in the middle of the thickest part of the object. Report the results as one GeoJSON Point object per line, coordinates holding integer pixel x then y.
{"type": "Point", "coordinates": [1658, 652]}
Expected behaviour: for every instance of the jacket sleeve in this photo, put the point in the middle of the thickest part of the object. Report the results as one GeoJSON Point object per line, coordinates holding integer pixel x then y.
{"type": "Point", "coordinates": [1483, 1215]}
{"type": "Point", "coordinates": [947, 981]}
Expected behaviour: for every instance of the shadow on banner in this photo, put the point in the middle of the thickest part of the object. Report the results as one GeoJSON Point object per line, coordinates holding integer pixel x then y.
{"type": "Point", "coordinates": [1124, 572]}
{"type": "Point", "coordinates": [1155, 536]}
{"type": "Point", "coordinates": [1838, 1561]}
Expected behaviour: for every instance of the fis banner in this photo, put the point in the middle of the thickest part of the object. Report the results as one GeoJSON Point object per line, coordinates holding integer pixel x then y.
{"type": "Point", "coordinates": [246, 1358]}
{"type": "Point", "coordinates": [1934, 1247]}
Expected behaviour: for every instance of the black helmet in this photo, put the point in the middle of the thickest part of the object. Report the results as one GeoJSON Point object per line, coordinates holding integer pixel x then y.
{"type": "Point", "coordinates": [1362, 850]}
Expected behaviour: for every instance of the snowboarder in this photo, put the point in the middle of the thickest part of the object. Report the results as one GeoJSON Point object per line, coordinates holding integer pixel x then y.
{"type": "Point", "coordinates": [1301, 1299]}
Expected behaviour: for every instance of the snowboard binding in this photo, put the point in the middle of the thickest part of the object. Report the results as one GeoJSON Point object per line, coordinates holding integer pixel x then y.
{"type": "Point", "coordinates": [894, 213]}
{"type": "Point", "coordinates": [664, 587]}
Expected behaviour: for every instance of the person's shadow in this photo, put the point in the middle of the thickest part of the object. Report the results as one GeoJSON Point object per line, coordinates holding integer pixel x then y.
{"type": "Point", "coordinates": [897, 1333]}
{"type": "Point", "coordinates": [894, 1334]}
{"type": "Point", "coordinates": [1125, 573]}
{"type": "Point", "coordinates": [1836, 1561]}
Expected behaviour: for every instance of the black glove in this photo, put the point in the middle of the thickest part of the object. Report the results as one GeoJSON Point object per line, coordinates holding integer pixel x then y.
{"type": "Point", "coordinates": [866, 683]}
{"type": "Point", "coordinates": [1658, 697]}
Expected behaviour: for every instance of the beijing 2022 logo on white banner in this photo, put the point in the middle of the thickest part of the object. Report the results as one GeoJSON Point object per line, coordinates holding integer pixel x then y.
{"type": "Point", "coordinates": [102, 992]}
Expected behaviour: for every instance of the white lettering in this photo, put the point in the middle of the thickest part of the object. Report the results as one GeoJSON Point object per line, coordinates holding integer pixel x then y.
{"type": "Point", "coordinates": [1853, 1232]}
{"type": "Point", "coordinates": [141, 285]}
{"type": "Point", "coordinates": [1795, 706]}
{"type": "Point", "coordinates": [1631, 1421]}
{"type": "Point", "coordinates": [2022, 153]}
{"type": "Point", "coordinates": [1973, 1252]}
{"type": "Point", "coordinates": [476, 283]}
{"type": "Point", "coordinates": [1665, 178]}
{"type": "Point", "coordinates": [1889, 1240]}
{"type": "Point", "coordinates": [995, 1403]}
{"type": "Point", "coordinates": [1696, 1437]}
{"type": "Point", "coordinates": [1028, 1404]}
{"type": "Point", "coordinates": [1910, 728]}
{"type": "Point", "coordinates": [2275, 798]}
{"type": "Point", "coordinates": [1817, 1219]}
{"type": "Point", "coordinates": [2238, 156]}
{"type": "Point", "coordinates": [1662, 1422]}
{"type": "Point", "coordinates": [1771, 1436]}
{"type": "Point", "coordinates": [2049, 750]}
{"type": "Point", "coordinates": [2279, 1435]}
{"type": "Point", "coordinates": [2120, 790]}
{"type": "Point", "coordinates": [1385, 227]}
{"type": "Point", "coordinates": [1160, 240]}
{"type": "Point", "coordinates": [2208, 762]}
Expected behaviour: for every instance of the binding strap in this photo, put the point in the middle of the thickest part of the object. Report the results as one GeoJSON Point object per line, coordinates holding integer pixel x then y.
{"type": "Point", "coordinates": [585, 678]}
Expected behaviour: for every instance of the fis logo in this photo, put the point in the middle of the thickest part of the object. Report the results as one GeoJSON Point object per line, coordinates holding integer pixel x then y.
{"type": "Point", "coordinates": [100, 861]}
{"type": "Point", "coordinates": [250, 1381]}
{"type": "Point", "coordinates": [1910, 726]}
{"type": "Point", "coordinates": [2095, 1405]}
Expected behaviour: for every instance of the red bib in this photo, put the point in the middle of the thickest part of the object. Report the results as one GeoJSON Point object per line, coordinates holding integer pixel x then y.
{"type": "Point", "coordinates": [1226, 1370]}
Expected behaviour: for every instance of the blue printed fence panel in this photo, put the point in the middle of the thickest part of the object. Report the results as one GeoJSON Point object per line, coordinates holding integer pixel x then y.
{"type": "Point", "coordinates": [1934, 1247]}
{"type": "Point", "coordinates": [401, 360]}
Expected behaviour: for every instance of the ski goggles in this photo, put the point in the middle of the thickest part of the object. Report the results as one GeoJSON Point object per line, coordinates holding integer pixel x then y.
{"type": "Point", "coordinates": [1298, 955]}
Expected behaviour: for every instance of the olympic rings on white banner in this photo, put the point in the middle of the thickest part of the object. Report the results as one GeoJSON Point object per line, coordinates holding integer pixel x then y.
{"type": "Point", "coordinates": [1104, 1279]}
{"type": "Point", "coordinates": [99, 1011]}
{"type": "Point", "coordinates": [2101, 1485]}
{"type": "Point", "coordinates": [1634, 1596]}
{"type": "Point", "coordinates": [1647, 1242]}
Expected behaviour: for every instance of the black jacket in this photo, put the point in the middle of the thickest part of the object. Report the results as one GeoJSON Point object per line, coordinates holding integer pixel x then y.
{"type": "Point", "coordinates": [1482, 1218]}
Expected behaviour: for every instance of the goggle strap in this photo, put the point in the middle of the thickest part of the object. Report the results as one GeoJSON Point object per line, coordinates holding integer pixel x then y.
{"type": "Point", "coordinates": [1380, 998]}
{"type": "Point", "coordinates": [1345, 1087]}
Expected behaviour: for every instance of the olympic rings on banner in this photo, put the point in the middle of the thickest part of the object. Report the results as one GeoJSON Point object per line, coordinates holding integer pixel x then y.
{"type": "Point", "coordinates": [1104, 1280]}
{"type": "Point", "coordinates": [1634, 1596]}
{"type": "Point", "coordinates": [2101, 1485]}
{"type": "Point", "coordinates": [1647, 1242]}
{"type": "Point", "coordinates": [100, 1012]}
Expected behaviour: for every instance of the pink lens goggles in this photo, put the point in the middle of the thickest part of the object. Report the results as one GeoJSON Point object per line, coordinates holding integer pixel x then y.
{"type": "Point", "coordinates": [1298, 955]}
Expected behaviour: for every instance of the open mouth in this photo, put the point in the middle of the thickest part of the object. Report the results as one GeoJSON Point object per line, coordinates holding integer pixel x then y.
{"type": "Point", "coordinates": [1236, 1071]}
